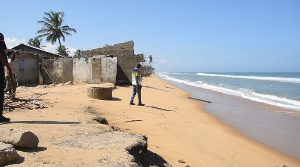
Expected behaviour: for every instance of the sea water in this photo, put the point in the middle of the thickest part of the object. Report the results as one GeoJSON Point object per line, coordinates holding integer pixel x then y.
{"type": "Point", "coordinates": [243, 111]}
{"type": "Point", "coordinates": [279, 89]}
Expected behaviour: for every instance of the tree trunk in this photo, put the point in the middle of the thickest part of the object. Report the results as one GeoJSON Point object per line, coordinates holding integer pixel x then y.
{"type": "Point", "coordinates": [60, 49]}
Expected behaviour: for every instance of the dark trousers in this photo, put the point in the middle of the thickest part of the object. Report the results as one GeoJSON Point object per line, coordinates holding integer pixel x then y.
{"type": "Point", "coordinates": [2, 86]}
{"type": "Point", "coordinates": [138, 90]}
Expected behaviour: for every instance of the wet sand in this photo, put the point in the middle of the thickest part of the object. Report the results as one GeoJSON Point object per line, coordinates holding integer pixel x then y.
{"type": "Point", "coordinates": [273, 126]}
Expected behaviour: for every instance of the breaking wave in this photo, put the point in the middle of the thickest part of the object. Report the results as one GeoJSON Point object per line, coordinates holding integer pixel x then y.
{"type": "Point", "coordinates": [241, 92]}
{"type": "Point", "coordinates": [277, 79]}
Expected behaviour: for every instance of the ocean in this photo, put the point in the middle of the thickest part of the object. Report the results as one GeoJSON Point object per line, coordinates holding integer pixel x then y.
{"type": "Point", "coordinates": [279, 89]}
{"type": "Point", "coordinates": [243, 100]}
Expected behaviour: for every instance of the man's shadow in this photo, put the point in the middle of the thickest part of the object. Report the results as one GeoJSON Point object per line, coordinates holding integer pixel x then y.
{"type": "Point", "coordinates": [158, 108]}
{"type": "Point", "coordinates": [43, 122]}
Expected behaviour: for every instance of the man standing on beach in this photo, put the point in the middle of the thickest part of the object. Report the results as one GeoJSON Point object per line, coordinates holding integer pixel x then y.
{"type": "Point", "coordinates": [137, 85]}
{"type": "Point", "coordinates": [3, 61]}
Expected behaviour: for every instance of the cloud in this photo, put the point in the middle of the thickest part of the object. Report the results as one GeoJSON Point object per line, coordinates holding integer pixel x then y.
{"type": "Point", "coordinates": [161, 61]}
{"type": "Point", "coordinates": [71, 51]}
{"type": "Point", "coordinates": [12, 42]}
{"type": "Point", "coordinates": [50, 47]}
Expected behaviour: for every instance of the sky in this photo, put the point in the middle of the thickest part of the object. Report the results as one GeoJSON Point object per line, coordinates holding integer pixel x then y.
{"type": "Point", "coordinates": [181, 35]}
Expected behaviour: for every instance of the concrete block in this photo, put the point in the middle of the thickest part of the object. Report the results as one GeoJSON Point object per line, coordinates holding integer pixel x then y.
{"type": "Point", "coordinates": [102, 93]}
{"type": "Point", "coordinates": [7, 153]}
{"type": "Point", "coordinates": [19, 138]}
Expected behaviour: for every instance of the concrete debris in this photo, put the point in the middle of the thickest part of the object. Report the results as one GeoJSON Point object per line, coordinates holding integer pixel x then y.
{"type": "Point", "coordinates": [124, 147]}
{"type": "Point", "coordinates": [31, 103]}
{"type": "Point", "coordinates": [181, 161]}
{"type": "Point", "coordinates": [19, 138]}
{"type": "Point", "coordinates": [7, 153]}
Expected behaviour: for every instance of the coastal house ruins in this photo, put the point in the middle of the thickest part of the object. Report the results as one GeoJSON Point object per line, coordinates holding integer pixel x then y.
{"type": "Point", "coordinates": [126, 59]}
{"type": "Point", "coordinates": [110, 64]}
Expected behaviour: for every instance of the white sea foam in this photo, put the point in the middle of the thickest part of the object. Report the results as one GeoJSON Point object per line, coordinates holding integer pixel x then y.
{"type": "Point", "coordinates": [278, 79]}
{"type": "Point", "coordinates": [244, 93]}
{"type": "Point", "coordinates": [176, 73]}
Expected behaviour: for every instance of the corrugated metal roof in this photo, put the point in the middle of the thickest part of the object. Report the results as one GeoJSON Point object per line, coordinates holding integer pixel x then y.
{"type": "Point", "coordinates": [35, 48]}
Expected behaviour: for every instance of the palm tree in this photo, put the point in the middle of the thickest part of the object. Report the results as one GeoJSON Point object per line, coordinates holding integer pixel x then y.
{"type": "Point", "coordinates": [150, 59]}
{"type": "Point", "coordinates": [36, 42]}
{"type": "Point", "coordinates": [53, 29]}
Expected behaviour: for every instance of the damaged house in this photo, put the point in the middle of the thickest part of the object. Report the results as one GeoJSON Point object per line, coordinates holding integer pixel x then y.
{"type": "Point", "coordinates": [126, 59]}
{"type": "Point", "coordinates": [112, 64]}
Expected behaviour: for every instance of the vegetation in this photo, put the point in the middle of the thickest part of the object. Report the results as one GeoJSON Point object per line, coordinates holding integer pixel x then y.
{"type": "Point", "coordinates": [140, 58]}
{"type": "Point", "coordinates": [63, 51]}
{"type": "Point", "coordinates": [53, 29]}
{"type": "Point", "coordinates": [36, 42]}
{"type": "Point", "coordinates": [78, 53]}
{"type": "Point", "coordinates": [147, 68]}
{"type": "Point", "coordinates": [150, 59]}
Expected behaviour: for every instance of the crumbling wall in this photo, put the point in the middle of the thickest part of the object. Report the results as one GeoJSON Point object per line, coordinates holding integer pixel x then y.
{"type": "Point", "coordinates": [63, 70]}
{"type": "Point", "coordinates": [95, 70]}
{"type": "Point", "coordinates": [46, 72]}
{"type": "Point", "coordinates": [91, 70]}
{"type": "Point", "coordinates": [56, 71]}
{"type": "Point", "coordinates": [26, 66]}
{"type": "Point", "coordinates": [125, 65]}
{"type": "Point", "coordinates": [126, 58]}
{"type": "Point", "coordinates": [126, 48]}
{"type": "Point", "coordinates": [82, 69]}
{"type": "Point", "coordinates": [109, 69]}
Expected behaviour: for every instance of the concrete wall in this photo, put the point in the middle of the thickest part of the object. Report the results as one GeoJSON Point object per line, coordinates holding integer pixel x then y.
{"type": "Point", "coordinates": [95, 70]}
{"type": "Point", "coordinates": [26, 66]}
{"type": "Point", "coordinates": [63, 70]}
{"type": "Point", "coordinates": [125, 65]}
{"type": "Point", "coordinates": [45, 79]}
{"type": "Point", "coordinates": [125, 55]}
{"type": "Point", "coordinates": [60, 70]}
{"type": "Point", "coordinates": [109, 69]}
{"type": "Point", "coordinates": [82, 69]}
{"type": "Point", "coordinates": [126, 48]}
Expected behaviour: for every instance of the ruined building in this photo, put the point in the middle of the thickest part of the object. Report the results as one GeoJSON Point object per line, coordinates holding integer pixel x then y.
{"type": "Point", "coordinates": [126, 59]}
{"type": "Point", "coordinates": [111, 64]}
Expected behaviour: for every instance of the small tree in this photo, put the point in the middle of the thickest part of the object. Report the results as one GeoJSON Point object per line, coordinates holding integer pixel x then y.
{"type": "Point", "coordinates": [36, 42]}
{"type": "Point", "coordinates": [140, 57]}
{"type": "Point", "coordinates": [78, 53]}
{"type": "Point", "coordinates": [150, 59]}
{"type": "Point", "coordinates": [150, 68]}
{"type": "Point", "coordinates": [62, 50]}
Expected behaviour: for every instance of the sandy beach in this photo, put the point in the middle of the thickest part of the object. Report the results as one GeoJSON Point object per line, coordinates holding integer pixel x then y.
{"type": "Point", "coordinates": [276, 127]}
{"type": "Point", "coordinates": [178, 129]}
